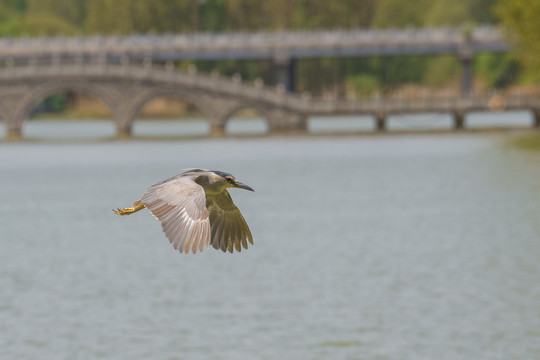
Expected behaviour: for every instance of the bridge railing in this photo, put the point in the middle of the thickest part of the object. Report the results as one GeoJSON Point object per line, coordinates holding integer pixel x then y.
{"type": "Point", "coordinates": [92, 67]}
{"type": "Point", "coordinates": [256, 45]}
{"type": "Point", "coordinates": [99, 68]}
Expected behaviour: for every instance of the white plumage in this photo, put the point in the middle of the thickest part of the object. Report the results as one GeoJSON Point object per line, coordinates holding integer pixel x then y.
{"type": "Point", "coordinates": [196, 211]}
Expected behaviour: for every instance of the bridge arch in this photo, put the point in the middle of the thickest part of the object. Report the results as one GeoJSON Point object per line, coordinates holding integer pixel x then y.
{"type": "Point", "coordinates": [126, 89]}
{"type": "Point", "coordinates": [40, 92]}
{"type": "Point", "coordinates": [229, 115]}
{"type": "Point", "coordinates": [154, 93]}
{"type": "Point", "coordinates": [147, 97]}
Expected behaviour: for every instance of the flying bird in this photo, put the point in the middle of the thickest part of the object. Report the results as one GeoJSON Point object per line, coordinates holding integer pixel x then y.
{"type": "Point", "coordinates": [196, 210]}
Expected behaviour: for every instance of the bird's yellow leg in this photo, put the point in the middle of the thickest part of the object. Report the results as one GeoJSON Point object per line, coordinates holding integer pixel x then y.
{"type": "Point", "coordinates": [137, 205]}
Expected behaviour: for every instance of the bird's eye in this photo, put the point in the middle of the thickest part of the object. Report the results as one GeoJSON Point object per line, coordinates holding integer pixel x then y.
{"type": "Point", "coordinates": [230, 180]}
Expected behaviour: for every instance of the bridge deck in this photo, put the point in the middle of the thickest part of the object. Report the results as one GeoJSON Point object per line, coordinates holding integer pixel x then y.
{"type": "Point", "coordinates": [274, 45]}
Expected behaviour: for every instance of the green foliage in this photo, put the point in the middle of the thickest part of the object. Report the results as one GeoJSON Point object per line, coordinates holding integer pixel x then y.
{"type": "Point", "coordinates": [400, 69]}
{"type": "Point", "coordinates": [448, 13]}
{"type": "Point", "coordinates": [17, 5]}
{"type": "Point", "coordinates": [521, 20]}
{"type": "Point", "coordinates": [364, 85]}
{"type": "Point", "coordinates": [529, 142]}
{"type": "Point", "coordinates": [47, 25]}
{"type": "Point", "coordinates": [441, 70]}
{"type": "Point", "coordinates": [54, 103]}
{"type": "Point", "coordinates": [400, 13]}
{"type": "Point", "coordinates": [159, 16]}
{"type": "Point", "coordinates": [10, 22]}
{"type": "Point", "coordinates": [72, 11]}
{"type": "Point", "coordinates": [211, 15]}
{"type": "Point", "coordinates": [432, 13]}
{"type": "Point", "coordinates": [483, 11]}
{"type": "Point", "coordinates": [496, 70]}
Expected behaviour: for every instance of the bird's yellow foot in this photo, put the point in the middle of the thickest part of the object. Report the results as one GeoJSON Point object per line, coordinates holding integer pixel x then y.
{"type": "Point", "coordinates": [125, 211]}
{"type": "Point", "coordinates": [137, 205]}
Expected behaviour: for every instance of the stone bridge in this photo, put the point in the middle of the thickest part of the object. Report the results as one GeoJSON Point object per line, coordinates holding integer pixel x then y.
{"type": "Point", "coordinates": [125, 88]}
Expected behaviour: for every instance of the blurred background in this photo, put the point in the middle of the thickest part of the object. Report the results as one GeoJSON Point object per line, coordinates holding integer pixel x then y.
{"type": "Point", "coordinates": [336, 76]}
{"type": "Point", "coordinates": [395, 212]}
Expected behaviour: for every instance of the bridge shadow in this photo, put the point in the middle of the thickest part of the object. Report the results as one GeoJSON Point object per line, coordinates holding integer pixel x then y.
{"type": "Point", "coordinates": [508, 119]}
{"type": "Point", "coordinates": [340, 124]}
{"type": "Point", "coordinates": [359, 124]}
{"type": "Point", "coordinates": [420, 122]}
{"type": "Point", "coordinates": [474, 120]}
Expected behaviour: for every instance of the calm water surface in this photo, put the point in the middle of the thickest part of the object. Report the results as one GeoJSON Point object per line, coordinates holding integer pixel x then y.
{"type": "Point", "coordinates": [400, 247]}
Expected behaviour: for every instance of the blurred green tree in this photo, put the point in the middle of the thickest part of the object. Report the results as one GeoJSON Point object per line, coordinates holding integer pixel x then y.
{"type": "Point", "coordinates": [497, 70]}
{"type": "Point", "coordinates": [47, 24]}
{"type": "Point", "coordinates": [10, 22]}
{"type": "Point", "coordinates": [71, 11]}
{"type": "Point", "coordinates": [441, 70]}
{"type": "Point", "coordinates": [110, 17]}
{"type": "Point", "coordinates": [520, 19]}
{"type": "Point", "coordinates": [17, 5]}
{"type": "Point", "coordinates": [431, 13]}
{"type": "Point", "coordinates": [400, 13]}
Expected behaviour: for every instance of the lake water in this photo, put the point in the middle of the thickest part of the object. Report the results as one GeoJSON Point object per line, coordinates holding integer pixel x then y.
{"type": "Point", "coordinates": [381, 247]}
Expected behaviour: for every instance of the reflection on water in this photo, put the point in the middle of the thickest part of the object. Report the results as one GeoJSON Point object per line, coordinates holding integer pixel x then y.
{"type": "Point", "coordinates": [509, 118]}
{"type": "Point", "coordinates": [66, 129]}
{"type": "Point", "coordinates": [411, 247]}
{"type": "Point", "coordinates": [199, 127]}
{"type": "Point", "coordinates": [187, 127]}
{"type": "Point", "coordinates": [246, 126]}
{"type": "Point", "coordinates": [415, 122]}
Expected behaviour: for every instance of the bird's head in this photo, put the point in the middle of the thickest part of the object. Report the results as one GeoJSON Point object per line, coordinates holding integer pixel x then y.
{"type": "Point", "coordinates": [229, 181]}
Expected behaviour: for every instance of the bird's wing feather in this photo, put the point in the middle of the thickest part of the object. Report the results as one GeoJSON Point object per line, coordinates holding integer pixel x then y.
{"type": "Point", "coordinates": [180, 205]}
{"type": "Point", "coordinates": [229, 228]}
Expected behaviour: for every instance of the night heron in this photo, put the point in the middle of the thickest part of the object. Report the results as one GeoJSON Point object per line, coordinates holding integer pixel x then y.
{"type": "Point", "coordinates": [196, 210]}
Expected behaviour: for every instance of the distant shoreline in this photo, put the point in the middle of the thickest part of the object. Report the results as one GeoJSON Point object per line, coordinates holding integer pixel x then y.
{"type": "Point", "coordinates": [519, 138]}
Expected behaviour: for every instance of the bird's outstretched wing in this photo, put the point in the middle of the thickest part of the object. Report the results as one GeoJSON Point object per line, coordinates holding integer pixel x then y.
{"type": "Point", "coordinates": [229, 228]}
{"type": "Point", "coordinates": [180, 205]}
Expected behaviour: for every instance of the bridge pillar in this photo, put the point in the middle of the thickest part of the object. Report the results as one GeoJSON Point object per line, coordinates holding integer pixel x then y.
{"type": "Point", "coordinates": [217, 110]}
{"type": "Point", "coordinates": [124, 132]}
{"type": "Point", "coordinates": [536, 117]}
{"type": "Point", "coordinates": [285, 68]}
{"type": "Point", "coordinates": [466, 56]}
{"type": "Point", "coordinates": [124, 123]}
{"type": "Point", "coordinates": [14, 134]}
{"type": "Point", "coordinates": [13, 125]}
{"type": "Point", "coordinates": [217, 130]}
{"type": "Point", "coordinates": [466, 76]}
{"type": "Point", "coordinates": [380, 122]}
{"type": "Point", "coordinates": [125, 105]}
{"type": "Point", "coordinates": [12, 108]}
{"type": "Point", "coordinates": [281, 121]}
{"type": "Point", "coordinates": [459, 120]}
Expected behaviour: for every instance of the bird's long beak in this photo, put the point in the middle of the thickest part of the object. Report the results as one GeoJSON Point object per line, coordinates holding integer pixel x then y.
{"type": "Point", "coordinates": [240, 185]}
